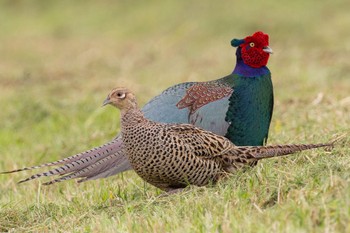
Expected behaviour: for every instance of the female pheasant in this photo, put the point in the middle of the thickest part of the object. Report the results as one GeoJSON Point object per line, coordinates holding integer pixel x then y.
{"type": "Point", "coordinates": [238, 106]}
{"type": "Point", "coordinates": [172, 156]}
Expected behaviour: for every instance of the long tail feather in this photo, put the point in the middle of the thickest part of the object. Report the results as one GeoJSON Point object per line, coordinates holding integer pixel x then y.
{"type": "Point", "coordinates": [80, 164]}
{"type": "Point", "coordinates": [117, 164]}
{"type": "Point", "coordinates": [108, 166]}
{"type": "Point", "coordinates": [281, 150]}
{"type": "Point", "coordinates": [96, 152]}
{"type": "Point", "coordinates": [262, 152]}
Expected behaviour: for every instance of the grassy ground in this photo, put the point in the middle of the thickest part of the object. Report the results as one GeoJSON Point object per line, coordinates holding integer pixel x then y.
{"type": "Point", "coordinates": [59, 59]}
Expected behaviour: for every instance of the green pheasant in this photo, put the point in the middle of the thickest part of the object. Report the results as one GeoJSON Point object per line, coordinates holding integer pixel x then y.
{"type": "Point", "coordinates": [172, 156]}
{"type": "Point", "coordinates": [238, 106]}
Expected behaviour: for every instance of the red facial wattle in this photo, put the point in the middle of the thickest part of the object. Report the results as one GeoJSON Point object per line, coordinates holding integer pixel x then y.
{"type": "Point", "coordinates": [252, 50]}
{"type": "Point", "coordinates": [254, 57]}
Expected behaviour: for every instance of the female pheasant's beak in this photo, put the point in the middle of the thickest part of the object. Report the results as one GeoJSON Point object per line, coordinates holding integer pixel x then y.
{"type": "Point", "coordinates": [267, 49]}
{"type": "Point", "coordinates": [107, 101]}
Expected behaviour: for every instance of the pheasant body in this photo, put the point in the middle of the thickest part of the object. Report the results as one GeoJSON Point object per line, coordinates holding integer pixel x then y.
{"type": "Point", "coordinates": [160, 157]}
{"type": "Point", "coordinates": [238, 106]}
{"type": "Point", "coordinates": [172, 156]}
{"type": "Point", "coordinates": [250, 125]}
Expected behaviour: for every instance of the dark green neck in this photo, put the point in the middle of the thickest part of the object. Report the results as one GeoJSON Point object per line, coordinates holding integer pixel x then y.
{"type": "Point", "coordinates": [250, 109]}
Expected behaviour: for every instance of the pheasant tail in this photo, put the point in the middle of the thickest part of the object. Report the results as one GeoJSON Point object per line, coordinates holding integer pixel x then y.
{"type": "Point", "coordinates": [100, 151]}
{"type": "Point", "coordinates": [108, 166]}
{"type": "Point", "coordinates": [102, 163]}
{"type": "Point", "coordinates": [263, 152]}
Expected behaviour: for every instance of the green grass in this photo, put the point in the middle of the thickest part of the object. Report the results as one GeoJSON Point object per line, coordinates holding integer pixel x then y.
{"type": "Point", "coordinates": [59, 59]}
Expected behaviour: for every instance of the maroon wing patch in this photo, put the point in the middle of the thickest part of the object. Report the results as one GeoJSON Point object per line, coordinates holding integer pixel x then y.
{"type": "Point", "coordinates": [203, 93]}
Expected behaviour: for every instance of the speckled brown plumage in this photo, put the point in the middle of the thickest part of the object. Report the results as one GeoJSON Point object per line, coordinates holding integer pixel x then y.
{"type": "Point", "coordinates": [202, 94]}
{"type": "Point", "coordinates": [238, 106]}
{"type": "Point", "coordinates": [171, 156]}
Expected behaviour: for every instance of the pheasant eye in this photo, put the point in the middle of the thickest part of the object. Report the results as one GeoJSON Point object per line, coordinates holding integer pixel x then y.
{"type": "Point", "coordinates": [121, 95]}
{"type": "Point", "coordinates": [252, 44]}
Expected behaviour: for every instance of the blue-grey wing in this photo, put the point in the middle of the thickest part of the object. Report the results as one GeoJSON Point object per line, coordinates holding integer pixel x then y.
{"type": "Point", "coordinates": [162, 108]}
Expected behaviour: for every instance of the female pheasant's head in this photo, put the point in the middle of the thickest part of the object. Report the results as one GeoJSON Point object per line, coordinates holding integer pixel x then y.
{"type": "Point", "coordinates": [121, 98]}
{"type": "Point", "coordinates": [253, 50]}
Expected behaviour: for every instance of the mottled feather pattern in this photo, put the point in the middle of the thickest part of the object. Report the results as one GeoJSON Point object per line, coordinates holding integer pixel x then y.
{"type": "Point", "coordinates": [198, 139]}
{"type": "Point", "coordinates": [278, 150]}
{"type": "Point", "coordinates": [88, 172]}
{"type": "Point", "coordinates": [171, 156]}
{"type": "Point", "coordinates": [251, 154]}
{"type": "Point", "coordinates": [203, 93]}
{"type": "Point", "coordinates": [209, 105]}
{"type": "Point", "coordinates": [93, 153]}
{"type": "Point", "coordinates": [80, 161]}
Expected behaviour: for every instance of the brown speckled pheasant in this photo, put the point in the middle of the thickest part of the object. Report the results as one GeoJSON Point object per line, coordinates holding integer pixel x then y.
{"type": "Point", "coordinates": [171, 156]}
{"type": "Point", "coordinates": [238, 106]}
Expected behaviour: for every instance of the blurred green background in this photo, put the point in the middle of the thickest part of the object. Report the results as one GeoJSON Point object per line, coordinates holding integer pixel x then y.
{"type": "Point", "coordinates": [59, 59]}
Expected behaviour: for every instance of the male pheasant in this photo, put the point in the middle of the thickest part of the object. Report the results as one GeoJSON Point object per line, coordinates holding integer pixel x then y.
{"type": "Point", "coordinates": [238, 106]}
{"type": "Point", "coordinates": [172, 156]}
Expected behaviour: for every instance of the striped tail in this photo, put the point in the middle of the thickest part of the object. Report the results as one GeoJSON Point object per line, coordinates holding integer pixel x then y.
{"type": "Point", "coordinates": [263, 152]}
{"type": "Point", "coordinates": [111, 165]}
{"type": "Point", "coordinates": [90, 162]}
{"type": "Point", "coordinates": [97, 152]}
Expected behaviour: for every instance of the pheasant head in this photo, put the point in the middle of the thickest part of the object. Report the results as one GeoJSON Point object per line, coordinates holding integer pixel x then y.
{"type": "Point", "coordinates": [253, 50]}
{"type": "Point", "coordinates": [121, 98]}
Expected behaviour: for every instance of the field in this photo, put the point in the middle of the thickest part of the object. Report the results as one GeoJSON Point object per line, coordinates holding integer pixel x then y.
{"type": "Point", "coordinates": [59, 60]}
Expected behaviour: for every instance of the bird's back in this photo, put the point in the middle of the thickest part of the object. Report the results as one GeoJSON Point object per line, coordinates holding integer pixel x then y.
{"type": "Point", "coordinates": [171, 156]}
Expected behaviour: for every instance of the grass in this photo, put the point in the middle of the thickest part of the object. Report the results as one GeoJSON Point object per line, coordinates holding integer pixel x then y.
{"type": "Point", "coordinates": [59, 59]}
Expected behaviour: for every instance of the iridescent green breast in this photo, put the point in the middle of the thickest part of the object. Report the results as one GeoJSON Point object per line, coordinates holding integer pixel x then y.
{"type": "Point", "coordinates": [250, 110]}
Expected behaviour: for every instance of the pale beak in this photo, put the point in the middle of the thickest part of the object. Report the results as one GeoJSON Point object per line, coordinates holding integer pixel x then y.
{"type": "Point", "coordinates": [107, 101]}
{"type": "Point", "coordinates": [267, 49]}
